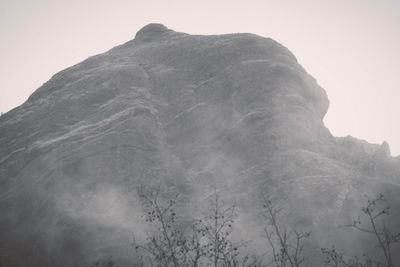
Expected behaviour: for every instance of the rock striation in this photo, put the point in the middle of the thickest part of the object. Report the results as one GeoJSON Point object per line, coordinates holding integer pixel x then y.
{"type": "Point", "coordinates": [234, 111]}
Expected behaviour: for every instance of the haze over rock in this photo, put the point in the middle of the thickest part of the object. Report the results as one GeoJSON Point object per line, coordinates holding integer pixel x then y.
{"type": "Point", "coordinates": [235, 112]}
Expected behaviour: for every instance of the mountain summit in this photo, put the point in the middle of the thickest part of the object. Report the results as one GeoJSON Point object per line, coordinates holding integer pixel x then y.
{"type": "Point", "coordinates": [235, 113]}
{"type": "Point", "coordinates": [151, 32]}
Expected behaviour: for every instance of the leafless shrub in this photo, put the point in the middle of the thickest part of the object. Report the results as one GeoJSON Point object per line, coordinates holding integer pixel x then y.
{"type": "Point", "coordinates": [204, 242]}
{"type": "Point", "coordinates": [376, 226]}
{"type": "Point", "coordinates": [168, 244]}
{"type": "Point", "coordinates": [335, 258]}
{"type": "Point", "coordinates": [287, 246]}
{"type": "Point", "coordinates": [216, 228]}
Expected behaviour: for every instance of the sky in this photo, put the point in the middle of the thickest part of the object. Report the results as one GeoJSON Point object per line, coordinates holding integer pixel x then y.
{"type": "Point", "coordinates": [352, 47]}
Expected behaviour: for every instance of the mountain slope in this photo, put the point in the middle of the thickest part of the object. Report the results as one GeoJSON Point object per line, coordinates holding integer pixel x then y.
{"type": "Point", "coordinates": [234, 111]}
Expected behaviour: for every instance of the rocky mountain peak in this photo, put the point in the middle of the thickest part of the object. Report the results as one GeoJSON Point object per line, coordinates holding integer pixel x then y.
{"type": "Point", "coordinates": [235, 112]}
{"type": "Point", "coordinates": [151, 32]}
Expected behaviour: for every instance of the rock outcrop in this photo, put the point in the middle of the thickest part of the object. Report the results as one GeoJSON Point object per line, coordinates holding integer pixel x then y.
{"type": "Point", "coordinates": [234, 111]}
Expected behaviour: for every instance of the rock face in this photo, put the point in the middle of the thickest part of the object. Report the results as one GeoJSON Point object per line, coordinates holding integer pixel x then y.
{"type": "Point", "coordinates": [235, 111]}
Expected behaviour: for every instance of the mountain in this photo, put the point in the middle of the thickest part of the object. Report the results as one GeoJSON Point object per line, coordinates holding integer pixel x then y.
{"type": "Point", "coordinates": [235, 113]}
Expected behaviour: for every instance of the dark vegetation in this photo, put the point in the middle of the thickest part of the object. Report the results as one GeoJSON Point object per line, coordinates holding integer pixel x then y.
{"type": "Point", "coordinates": [376, 212]}
{"type": "Point", "coordinates": [208, 241]}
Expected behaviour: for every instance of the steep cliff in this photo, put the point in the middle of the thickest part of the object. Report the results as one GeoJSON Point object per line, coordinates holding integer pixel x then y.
{"type": "Point", "coordinates": [234, 111]}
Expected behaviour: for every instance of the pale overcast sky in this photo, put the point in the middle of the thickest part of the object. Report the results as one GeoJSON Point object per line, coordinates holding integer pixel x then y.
{"type": "Point", "coordinates": [352, 47]}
